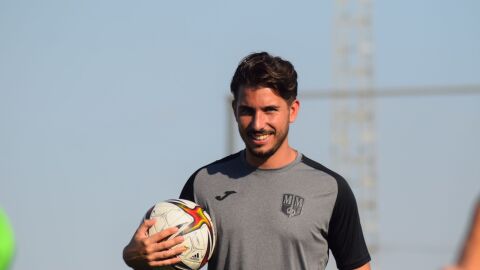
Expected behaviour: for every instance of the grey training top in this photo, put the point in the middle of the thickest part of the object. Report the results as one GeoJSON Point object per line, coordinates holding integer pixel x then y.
{"type": "Point", "coordinates": [278, 219]}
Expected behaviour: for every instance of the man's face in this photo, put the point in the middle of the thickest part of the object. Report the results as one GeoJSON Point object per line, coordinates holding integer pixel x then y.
{"type": "Point", "coordinates": [263, 119]}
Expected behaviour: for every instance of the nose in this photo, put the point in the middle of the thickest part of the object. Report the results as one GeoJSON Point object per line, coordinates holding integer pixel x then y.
{"type": "Point", "coordinates": [258, 121]}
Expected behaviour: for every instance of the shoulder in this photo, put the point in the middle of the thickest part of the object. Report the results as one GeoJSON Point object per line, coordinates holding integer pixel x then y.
{"type": "Point", "coordinates": [345, 195]}
{"type": "Point", "coordinates": [222, 165]}
{"type": "Point", "coordinates": [340, 182]}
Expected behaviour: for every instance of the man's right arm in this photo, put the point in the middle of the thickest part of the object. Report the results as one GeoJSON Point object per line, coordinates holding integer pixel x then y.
{"type": "Point", "coordinates": [146, 252]}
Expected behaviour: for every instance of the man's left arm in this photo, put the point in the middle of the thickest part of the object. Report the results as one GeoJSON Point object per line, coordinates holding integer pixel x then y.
{"type": "Point", "coordinates": [345, 236]}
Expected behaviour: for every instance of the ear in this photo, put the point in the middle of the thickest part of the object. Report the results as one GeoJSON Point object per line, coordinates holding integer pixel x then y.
{"type": "Point", "coordinates": [294, 107]}
{"type": "Point", "coordinates": [234, 109]}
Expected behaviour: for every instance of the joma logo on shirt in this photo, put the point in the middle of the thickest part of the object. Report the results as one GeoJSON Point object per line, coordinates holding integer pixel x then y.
{"type": "Point", "coordinates": [292, 205]}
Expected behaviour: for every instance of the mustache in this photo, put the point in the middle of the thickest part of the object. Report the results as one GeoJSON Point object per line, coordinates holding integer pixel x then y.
{"type": "Point", "coordinates": [260, 132]}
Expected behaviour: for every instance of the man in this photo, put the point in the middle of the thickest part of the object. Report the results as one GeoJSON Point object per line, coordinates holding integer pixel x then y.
{"type": "Point", "coordinates": [273, 208]}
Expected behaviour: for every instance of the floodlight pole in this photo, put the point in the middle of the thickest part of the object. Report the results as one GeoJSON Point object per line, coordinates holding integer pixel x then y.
{"type": "Point", "coordinates": [353, 138]}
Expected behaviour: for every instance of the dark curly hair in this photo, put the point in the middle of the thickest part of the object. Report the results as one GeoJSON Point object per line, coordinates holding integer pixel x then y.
{"type": "Point", "coordinates": [264, 70]}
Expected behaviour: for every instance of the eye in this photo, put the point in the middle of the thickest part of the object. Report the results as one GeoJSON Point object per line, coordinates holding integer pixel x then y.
{"type": "Point", "coordinates": [271, 109]}
{"type": "Point", "coordinates": [242, 110]}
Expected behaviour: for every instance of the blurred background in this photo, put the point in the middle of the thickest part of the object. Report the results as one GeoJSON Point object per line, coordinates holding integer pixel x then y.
{"type": "Point", "coordinates": [107, 107]}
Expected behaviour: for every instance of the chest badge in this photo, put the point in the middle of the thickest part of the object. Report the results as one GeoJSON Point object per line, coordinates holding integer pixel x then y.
{"type": "Point", "coordinates": [292, 204]}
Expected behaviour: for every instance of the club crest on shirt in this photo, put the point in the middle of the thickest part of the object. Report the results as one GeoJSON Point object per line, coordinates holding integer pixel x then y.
{"type": "Point", "coordinates": [292, 205]}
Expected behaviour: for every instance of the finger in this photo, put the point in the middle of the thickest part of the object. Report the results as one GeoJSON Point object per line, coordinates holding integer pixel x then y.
{"type": "Point", "coordinates": [164, 234]}
{"type": "Point", "coordinates": [167, 254]}
{"type": "Point", "coordinates": [170, 261]}
{"type": "Point", "coordinates": [154, 247]}
{"type": "Point", "coordinates": [168, 244]}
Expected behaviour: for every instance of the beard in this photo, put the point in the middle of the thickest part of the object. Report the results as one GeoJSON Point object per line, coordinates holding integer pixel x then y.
{"type": "Point", "coordinates": [279, 139]}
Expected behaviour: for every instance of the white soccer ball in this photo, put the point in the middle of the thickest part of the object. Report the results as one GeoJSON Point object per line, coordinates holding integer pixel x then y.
{"type": "Point", "coordinates": [193, 223]}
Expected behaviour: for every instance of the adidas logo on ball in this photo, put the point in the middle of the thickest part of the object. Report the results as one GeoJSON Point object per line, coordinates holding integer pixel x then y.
{"type": "Point", "coordinates": [195, 257]}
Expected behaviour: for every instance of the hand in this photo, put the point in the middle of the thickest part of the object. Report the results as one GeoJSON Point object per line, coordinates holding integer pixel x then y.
{"type": "Point", "coordinates": [146, 252]}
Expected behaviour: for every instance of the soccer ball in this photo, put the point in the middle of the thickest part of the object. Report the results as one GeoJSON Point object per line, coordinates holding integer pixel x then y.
{"type": "Point", "coordinates": [193, 223]}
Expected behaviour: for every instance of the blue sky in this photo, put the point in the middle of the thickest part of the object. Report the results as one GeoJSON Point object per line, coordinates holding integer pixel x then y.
{"type": "Point", "coordinates": [108, 106]}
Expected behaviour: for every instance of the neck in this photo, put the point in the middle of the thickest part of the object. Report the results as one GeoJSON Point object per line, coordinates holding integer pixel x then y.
{"type": "Point", "coordinates": [282, 157]}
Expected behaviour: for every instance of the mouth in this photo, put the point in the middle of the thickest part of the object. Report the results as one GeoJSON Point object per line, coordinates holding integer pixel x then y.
{"type": "Point", "coordinates": [260, 137]}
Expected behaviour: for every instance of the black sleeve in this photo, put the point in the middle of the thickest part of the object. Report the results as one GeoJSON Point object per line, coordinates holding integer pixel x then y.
{"type": "Point", "coordinates": [345, 236]}
{"type": "Point", "coordinates": [187, 191]}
